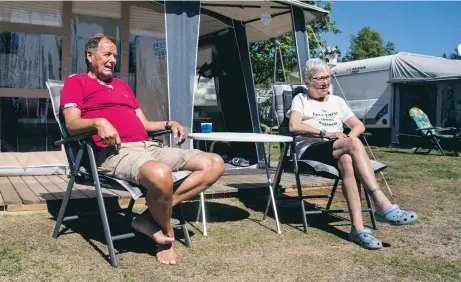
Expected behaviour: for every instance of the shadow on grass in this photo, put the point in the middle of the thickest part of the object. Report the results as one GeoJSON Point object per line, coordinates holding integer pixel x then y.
{"type": "Point", "coordinates": [290, 214]}
{"type": "Point", "coordinates": [91, 229]}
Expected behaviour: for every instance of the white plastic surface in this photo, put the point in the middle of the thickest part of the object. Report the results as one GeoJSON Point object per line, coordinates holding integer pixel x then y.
{"type": "Point", "coordinates": [240, 137]}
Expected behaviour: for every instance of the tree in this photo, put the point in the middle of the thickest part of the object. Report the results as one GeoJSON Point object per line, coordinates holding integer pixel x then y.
{"type": "Point", "coordinates": [389, 49]}
{"type": "Point", "coordinates": [453, 56]}
{"type": "Point", "coordinates": [368, 44]}
{"type": "Point", "coordinates": [262, 53]}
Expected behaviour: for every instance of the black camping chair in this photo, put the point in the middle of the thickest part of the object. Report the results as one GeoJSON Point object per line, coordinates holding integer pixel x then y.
{"type": "Point", "coordinates": [83, 171]}
{"type": "Point", "coordinates": [289, 161]}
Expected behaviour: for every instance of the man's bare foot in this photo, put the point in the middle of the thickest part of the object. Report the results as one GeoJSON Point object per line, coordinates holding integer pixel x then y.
{"type": "Point", "coordinates": [166, 254]}
{"type": "Point", "coordinates": [145, 224]}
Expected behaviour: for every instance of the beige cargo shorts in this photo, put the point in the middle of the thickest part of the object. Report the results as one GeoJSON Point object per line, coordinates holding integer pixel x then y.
{"type": "Point", "coordinates": [126, 162]}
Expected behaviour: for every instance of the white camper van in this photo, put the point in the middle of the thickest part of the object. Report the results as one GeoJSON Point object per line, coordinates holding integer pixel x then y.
{"type": "Point", "coordinates": [381, 91]}
{"type": "Point", "coordinates": [364, 84]}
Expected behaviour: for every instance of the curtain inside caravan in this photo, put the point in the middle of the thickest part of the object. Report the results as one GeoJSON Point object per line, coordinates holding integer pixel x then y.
{"type": "Point", "coordinates": [28, 60]}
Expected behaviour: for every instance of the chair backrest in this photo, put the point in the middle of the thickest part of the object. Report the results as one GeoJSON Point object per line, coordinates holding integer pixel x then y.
{"type": "Point", "coordinates": [55, 89]}
{"type": "Point", "coordinates": [421, 120]}
{"type": "Point", "coordinates": [282, 97]}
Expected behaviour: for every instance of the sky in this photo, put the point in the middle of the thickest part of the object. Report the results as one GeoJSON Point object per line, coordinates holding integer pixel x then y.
{"type": "Point", "coordinates": [423, 27]}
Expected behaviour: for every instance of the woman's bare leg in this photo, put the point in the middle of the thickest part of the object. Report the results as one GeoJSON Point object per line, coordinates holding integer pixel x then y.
{"type": "Point", "coordinates": [362, 165]}
{"type": "Point", "coordinates": [350, 191]}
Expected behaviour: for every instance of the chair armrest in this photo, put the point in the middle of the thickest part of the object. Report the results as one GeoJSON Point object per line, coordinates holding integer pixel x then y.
{"type": "Point", "coordinates": [426, 128]}
{"type": "Point", "coordinates": [76, 137]}
{"type": "Point", "coordinates": [445, 128]}
{"type": "Point", "coordinates": [160, 133]}
{"type": "Point", "coordinates": [303, 134]}
{"type": "Point", "coordinates": [91, 133]}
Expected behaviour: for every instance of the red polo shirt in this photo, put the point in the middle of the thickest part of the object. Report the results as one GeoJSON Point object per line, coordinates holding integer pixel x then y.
{"type": "Point", "coordinates": [116, 103]}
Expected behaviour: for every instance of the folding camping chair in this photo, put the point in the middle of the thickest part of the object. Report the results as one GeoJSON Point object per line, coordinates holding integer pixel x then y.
{"type": "Point", "coordinates": [434, 137]}
{"type": "Point", "coordinates": [283, 95]}
{"type": "Point", "coordinates": [83, 171]}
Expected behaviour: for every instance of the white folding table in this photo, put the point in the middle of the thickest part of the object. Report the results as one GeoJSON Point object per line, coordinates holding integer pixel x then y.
{"type": "Point", "coordinates": [241, 137]}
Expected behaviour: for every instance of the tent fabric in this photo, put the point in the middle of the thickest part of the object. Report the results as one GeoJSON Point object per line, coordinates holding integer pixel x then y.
{"type": "Point", "coordinates": [245, 11]}
{"type": "Point", "coordinates": [182, 26]}
{"type": "Point", "coordinates": [407, 67]}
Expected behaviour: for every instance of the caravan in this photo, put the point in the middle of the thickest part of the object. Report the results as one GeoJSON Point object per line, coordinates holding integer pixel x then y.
{"type": "Point", "coordinates": [381, 91]}
{"type": "Point", "coordinates": [364, 84]}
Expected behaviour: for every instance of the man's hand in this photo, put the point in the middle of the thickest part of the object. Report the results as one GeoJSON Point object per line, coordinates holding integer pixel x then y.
{"type": "Point", "coordinates": [335, 135]}
{"type": "Point", "coordinates": [179, 132]}
{"type": "Point", "coordinates": [107, 133]}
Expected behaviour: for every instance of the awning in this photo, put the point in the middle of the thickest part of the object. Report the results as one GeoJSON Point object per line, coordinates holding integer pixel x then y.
{"type": "Point", "coordinates": [249, 13]}
{"type": "Point", "coordinates": [407, 67]}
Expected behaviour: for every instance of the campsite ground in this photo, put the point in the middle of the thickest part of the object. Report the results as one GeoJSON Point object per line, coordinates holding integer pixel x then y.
{"type": "Point", "coordinates": [240, 247]}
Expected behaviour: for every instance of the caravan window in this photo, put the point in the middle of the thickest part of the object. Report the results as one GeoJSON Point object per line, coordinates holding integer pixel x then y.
{"type": "Point", "coordinates": [29, 59]}
{"type": "Point", "coordinates": [84, 26]}
{"type": "Point", "coordinates": [32, 12]}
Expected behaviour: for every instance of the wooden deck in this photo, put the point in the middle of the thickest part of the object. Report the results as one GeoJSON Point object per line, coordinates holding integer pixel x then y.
{"type": "Point", "coordinates": [27, 193]}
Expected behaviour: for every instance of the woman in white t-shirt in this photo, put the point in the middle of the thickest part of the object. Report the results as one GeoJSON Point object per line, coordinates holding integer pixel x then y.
{"type": "Point", "coordinates": [322, 115]}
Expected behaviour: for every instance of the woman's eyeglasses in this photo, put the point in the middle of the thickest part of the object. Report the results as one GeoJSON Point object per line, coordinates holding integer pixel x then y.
{"type": "Point", "coordinates": [319, 79]}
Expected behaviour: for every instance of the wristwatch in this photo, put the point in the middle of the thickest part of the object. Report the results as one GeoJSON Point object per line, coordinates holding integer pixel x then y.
{"type": "Point", "coordinates": [167, 125]}
{"type": "Point", "coordinates": [322, 133]}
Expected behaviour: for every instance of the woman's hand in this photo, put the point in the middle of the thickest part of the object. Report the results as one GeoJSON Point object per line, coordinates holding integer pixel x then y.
{"type": "Point", "coordinates": [335, 135]}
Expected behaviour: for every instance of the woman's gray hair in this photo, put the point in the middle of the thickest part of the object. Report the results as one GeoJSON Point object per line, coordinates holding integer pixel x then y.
{"type": "Point", "coordinates": [312, 67]}
{"type": "Point", "coordinates": [93, 42]}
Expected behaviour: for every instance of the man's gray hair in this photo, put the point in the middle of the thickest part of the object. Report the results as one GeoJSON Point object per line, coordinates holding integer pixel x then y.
{"type": "Point", "coordinates": [93, 42]}
{"type": "Point", "coordinates": [312, 67]}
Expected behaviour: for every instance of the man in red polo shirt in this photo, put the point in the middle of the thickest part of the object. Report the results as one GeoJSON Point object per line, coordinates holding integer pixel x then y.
{"type": "Point", "coordinates": [96, 100]}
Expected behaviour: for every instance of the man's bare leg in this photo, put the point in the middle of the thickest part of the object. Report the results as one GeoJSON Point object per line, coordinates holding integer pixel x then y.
{"type": "Point", "coordinates": [350, 191]}
{"type": "Point", "coordinates": [207, 169]}
{"type": "Point", "coordinates": [157, 178]}
{"type": "Point", "coordinates": [362, 165]}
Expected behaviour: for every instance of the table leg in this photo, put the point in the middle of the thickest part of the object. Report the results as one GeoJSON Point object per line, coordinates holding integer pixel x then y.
{"type": "Point", "coordinates": [271, 193]}
{"type": "Point", "coordinates": [278, 174]}
{"type": "Point", "coordinates": [201, 208]}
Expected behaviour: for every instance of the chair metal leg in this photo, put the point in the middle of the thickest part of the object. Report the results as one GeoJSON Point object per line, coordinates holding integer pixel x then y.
{"type": "Point", "coordinates": [332, 195]}
{"type": "Point", "coordinates": [298, 186]}
{"type": "Point", "coordinates": [182, 222]}
{"type": "Point", "coordinates": [66, 198]}
{"type": "Point", "coordinates": [129, 209]}
{"type": "Point", "coordinates": [102, 209]}
{"type": "Point", "coordinates": [370, 206]}
{"type": "Point", "coordinates": [438, 145]}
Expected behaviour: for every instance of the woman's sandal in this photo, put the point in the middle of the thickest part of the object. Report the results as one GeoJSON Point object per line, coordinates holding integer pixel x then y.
{"type": "Point", "coordinates": [396, 216]}
{"type": "Point", "coordinates": [365, 238]}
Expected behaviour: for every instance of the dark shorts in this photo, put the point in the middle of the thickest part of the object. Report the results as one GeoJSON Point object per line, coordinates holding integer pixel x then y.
{"type": "Point", "coordinates": [321, 152]}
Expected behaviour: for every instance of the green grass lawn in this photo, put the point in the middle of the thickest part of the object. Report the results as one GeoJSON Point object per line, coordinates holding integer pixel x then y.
{"type": "Point", "coordinates": [240, 247]}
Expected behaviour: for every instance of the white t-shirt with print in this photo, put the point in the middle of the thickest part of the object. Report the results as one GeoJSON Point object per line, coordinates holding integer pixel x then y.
{"type": "Point", "coordinates": [328, 116]}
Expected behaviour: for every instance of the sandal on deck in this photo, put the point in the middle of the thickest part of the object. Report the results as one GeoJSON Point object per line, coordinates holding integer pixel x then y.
{"type": "Point", "coordinates": [396, 216]}
{"type": "Point", "coordinates": [365, 238]}
{"type": "Point", "coordinates": [239, 162]}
